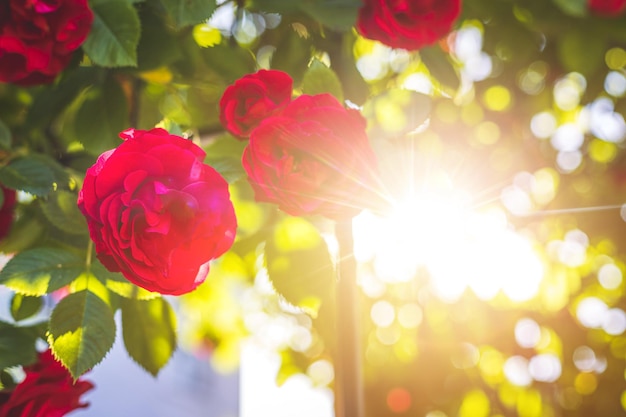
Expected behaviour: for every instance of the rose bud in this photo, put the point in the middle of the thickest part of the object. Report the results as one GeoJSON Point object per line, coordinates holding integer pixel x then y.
{"type": "Point", "coordinates": [252, 98]}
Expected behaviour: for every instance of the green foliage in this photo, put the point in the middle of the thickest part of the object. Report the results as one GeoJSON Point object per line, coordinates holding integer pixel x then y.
{"type": "Point", "coordinates": [117, 284]}
{"type": "Point", "coordinates": [158, 45]}
{"type": "Point", "coordinates": [440, 66]}
{"type": "Point", "coordinates": [223, 154]}
{"type": "Point", "coordinates": [576, 8]}
{"type": "Point", "coordinates": [25, 233]}
{"type": "Point", "coordinates": [321, 79]}
{"type": "Point", "coordinates": [292, 54]}
{"type": "Point", "coordinates": [149, 330]}
{"type": "Point", "coordinates": [299, 265]}
{"type": "Point", "coordinates": [27, 174]}
{"type": "Point", "coordinates": [17, 345]}
{"type": "Point", "coordinates": [189, 12]}
{"type": "Point", "coordinates": [580, 52]}
{"type": "Point", "coordinates": [41, 270]}
{"type": "Point", "coordinates": [81, 331]}
{"type": "Point", "coordinates": [102, 115]}
{"type": "Point", "coordinates": [5, 136]}
{"type": "Point", "coordinates": [335, 14]}
{"type": "Point", "coordinates": [24, 306]}
{"type": "Point", "coordinates": [50, 102]}
{"type": "Point", "coordinates": [114, 36]}
{"type": "Point", "coordinates": [61, 210]}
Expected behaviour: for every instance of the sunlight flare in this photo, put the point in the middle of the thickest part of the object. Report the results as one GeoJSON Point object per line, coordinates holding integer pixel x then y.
{"type": "Point", "coordinates": [459, 248]}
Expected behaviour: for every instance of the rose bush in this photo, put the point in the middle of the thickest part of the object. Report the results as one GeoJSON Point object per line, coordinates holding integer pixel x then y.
{"type": "Point", "coordinates": [607, 7]}
{"type": "Point", "coordinates": [37, 38]}
{"type": "Point", "coordinates": [46, 391]}
{"type": "Point", "coordinates": [252, 98]}
{"type": "Point", "coordinates": [312, 158]}
{"type": "Point", "coordinates": [156, 213]}
{"type": "Point", "coordinates": [407, 24]}
{"type": "Point", "coordinates": [6, 211]}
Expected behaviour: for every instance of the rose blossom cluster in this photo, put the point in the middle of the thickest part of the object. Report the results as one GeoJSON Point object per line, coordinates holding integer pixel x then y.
{"type": "Point", "coordinates": [310, 155]}
{"type": "Point", "coordinates": [407, 24]}
{"type": "Point", "coordinates": [156, 212]}
{"type": "Point", "coordinates": [46, 391]}
{"type": "Point", "coordinates": [38, 37]}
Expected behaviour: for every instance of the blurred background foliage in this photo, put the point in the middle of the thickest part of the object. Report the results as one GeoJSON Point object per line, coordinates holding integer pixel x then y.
{"type": "Point", "coordinates": [495, 288]}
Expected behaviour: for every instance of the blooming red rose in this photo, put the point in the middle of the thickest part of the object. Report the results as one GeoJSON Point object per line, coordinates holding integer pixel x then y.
{"type": "Point", "coordinates": [407, 24]}
{"type": "Point", "coordinates": [252, 98]}
{"type": "Point", "coordinates": [312, 158]}
{"type": "Point", "coordinates": [157, 213]}
{"type": "Point", "coordinates": [37, 38]}
{"type": "Point", "coordinates": [47, 391]}
{"type": "Point", "coordinates": [607, 7]}
{"type": "Point", "coordinates": [6, 211]}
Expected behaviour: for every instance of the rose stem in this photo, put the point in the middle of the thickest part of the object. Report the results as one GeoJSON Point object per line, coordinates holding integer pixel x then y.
{"type": "Point", "coordinates": [348, 370]}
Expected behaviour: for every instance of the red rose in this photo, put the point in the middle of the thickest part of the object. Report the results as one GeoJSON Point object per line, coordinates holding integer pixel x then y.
{"type": "Point", "coordinates": [47, 391]}
{"type": "Point", "coordinates": [37, 38]}
{"type": "Point", "coordinates": [607, 7]}
{"type": "Point", "coordinates": [407, 24]}
{"type": "Point", "coordinates": [157, 213]}
{"type": "Point", "coordinates": [6, 211]}
{"type": "Point", "coordinates": [312, 158]}
{"type": "Point", "coordinates": [252, 98]}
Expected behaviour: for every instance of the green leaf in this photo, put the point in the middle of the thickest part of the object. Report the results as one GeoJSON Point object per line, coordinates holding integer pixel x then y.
{"type": "Point", "coordinates": [24, 233]}
{"type": "Point", "coordinates": [61, 210]}
{"type": "Point", "coordinates": [81, 331]}
{"type": "Point", "coordinates": [24, 306]}
{"type": "Point", "coordinates": [101, 117]}
{"type": "Point", "coordinates": [103, 274]}
{"type": "Point", "coordinates": [5, 136]}
{"type": "Point", "coordinates": [53, 100]}
{"type": "Point", "coordinates": [149, 330]}
{"type": "Point", "coordinates": [6, 381]}
{"type": "Point", "coordinates": [41, 270]}
{"type": "Point", "coordinates": [229, 168]}
{"type": "Point", "coordinates": [27, 174]}
{"type": "Point", "coordinates": [224, 155]}
{"type": "Point", "coordinates": [321, 79]}
{"type": "Point", "coordinates": [291, 55]}
{"type": "Point", "coordinates": [576, 8]}
{"type": "Point", "coordinates": [158, 46]}
{"type": "Point", "coordinates": [275, 6]}
{"type": "Point", "coordinates": [60, 177]}
{"type": "Point", "coordinates": [338, 15]}
{"type": "Point", "coordinates": [189, 12]}
{"type": "Point", "coordinates": [117, 283]}
{"type": "Point", "coordinates": [17, 345]}
{"type": "Point", "coordinates": [440, 66]}
{"type": "Point", "coordinates": [299, 265]}
{"type": "Point", "coordinates": [114, 35]}
{"type": "Point", "coordinates": [127, 289]}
